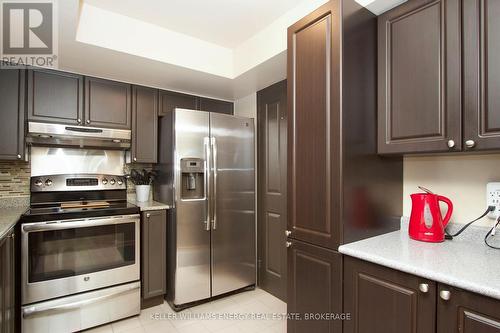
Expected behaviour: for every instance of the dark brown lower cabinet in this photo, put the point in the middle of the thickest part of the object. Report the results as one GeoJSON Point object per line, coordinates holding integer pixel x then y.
{"type": "Point", "coordinates": [383, 300]}
{"type": "Point", "coordinates": [466, 312]}
{"type": "Point", "coordinates": [314, 288]}
{"type": "Point", "coordinates": [7, 284]}
{"type": "Point", "coordinates": [154, 257]}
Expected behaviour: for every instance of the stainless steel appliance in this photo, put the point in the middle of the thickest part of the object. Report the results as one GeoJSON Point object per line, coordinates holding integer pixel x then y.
{"type": "Point", "coordinates": [206, 172]}
{"type": "Point", "coordinates": [79, 253]}
{"type": "Point", "coordinates": [78, 136]}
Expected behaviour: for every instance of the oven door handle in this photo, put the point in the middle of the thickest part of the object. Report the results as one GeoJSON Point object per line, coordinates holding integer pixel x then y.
{"type": "Point", "coordinates": [72, 224]}
{"type": "Point", "coordinates": [38, 309]}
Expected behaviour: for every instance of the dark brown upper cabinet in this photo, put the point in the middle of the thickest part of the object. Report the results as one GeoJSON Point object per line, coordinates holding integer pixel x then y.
{"type": "Point", "coordinates": [382, 300]}
{"type": "Point", "coordinates": [314, 286]}
{"type": "Point", "coordinates": [333, 170]}
{"type": "Point", "coordinates": [55, 97]}
{"type": "Point", "coordinates": [154, 254]}
{"type": "Point", "coordinates": [170, 100]}
{"type": "Point", "coordinates": [460, 311]}
{"type": "Point", "coordinates": [312, 121]}
{"type": "Point", "coordinates": [108, 104]}
{"type": "Point", "coordinates": [481, 84]}
{"type": "Point", "coordinates": [12, 92]}
{"type": "Point", "coordinates": [419, 66]}
{"type": "Point", "coordinates": [214, 105]}
{"type": "Point", "coordinates": [144, 125]}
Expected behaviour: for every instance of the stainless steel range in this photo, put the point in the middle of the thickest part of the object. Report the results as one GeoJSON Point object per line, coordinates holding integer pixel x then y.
{"type": "Point", "coordinates": [80, 253]}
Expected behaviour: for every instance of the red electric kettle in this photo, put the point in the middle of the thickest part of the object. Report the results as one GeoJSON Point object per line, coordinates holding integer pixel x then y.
{"type": "Point", "coordinates": [426, 222]}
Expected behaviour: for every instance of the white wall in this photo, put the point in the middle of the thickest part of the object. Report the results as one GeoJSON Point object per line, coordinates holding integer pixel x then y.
{"type": "Point", "coordinates": [462, 178]}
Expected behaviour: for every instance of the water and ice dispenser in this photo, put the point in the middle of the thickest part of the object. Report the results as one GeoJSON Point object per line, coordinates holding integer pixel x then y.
{"type": "Point", "coordinates": [192, 178]}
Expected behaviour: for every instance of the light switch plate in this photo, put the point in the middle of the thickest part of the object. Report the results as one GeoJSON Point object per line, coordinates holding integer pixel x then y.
{"type": "Point", "coordinates": [493, 198]}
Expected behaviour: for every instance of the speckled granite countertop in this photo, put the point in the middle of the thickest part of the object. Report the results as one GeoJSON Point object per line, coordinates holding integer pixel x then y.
{"type": "Point", "coordinates": [147, 205]}
{"type": "Point", "coordinates": [465, 262]}
{"type": "Point", "coordinates": [9, 217]}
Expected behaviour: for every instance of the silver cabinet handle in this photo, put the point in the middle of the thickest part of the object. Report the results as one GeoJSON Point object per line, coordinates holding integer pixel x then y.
{"type": "Point", "coordinates": [208, 213]}
{"type": "Point", "coordinates": [470, 143]}
{"type": "Point", "coordinates": [148, 215]}
{"type": "Point", "coordinates": [19, 156]}
{"type": "Point", "coordinates": [214, 157]}
{"type": "Point", "coordinates": [135, 159]}
{"type": "Point", "coordinates": [451, 143]}
{"type": "Point", "coordinates": [88, 121]}
{"type": "Point", "coordinates": [79, 121]}
{"type": "Point", "coordinates": [445, 295]}
{"type": "Point", "coordinates": [423, 287]}
{"type": "Point", "coordinates": [288, 244]}
{"type": "Point", "coordinates": [288, 233]}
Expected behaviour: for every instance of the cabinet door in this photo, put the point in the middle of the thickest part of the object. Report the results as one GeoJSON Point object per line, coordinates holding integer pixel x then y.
{"type": "Point", "coordinates": [154, 252]}
{"type": "Point", "coordinates": [314, 287]}
{"type": "Point", "coordinates": [3, 280]}
{"type": "Point", "coordinates": [171, 100]}
{"type": "Point", "coordinates": [144, 125]}
{"type": "Point", "coordinates": [55, 97]}
{"type": "Point", "coordinates": [465, 312]}
{"type": "Point", "coordinates": [213, 105]}
{"type": "Point", "coordinates": [314, 128]}
{"type": "Point", "coordinates": [107, 104]}
{"type": "Point", "coordinates": [419, 70]}
{"type": "Point", "coordinates": [382, 300]}
{"type": "Point", "coordinates": [481, 74]}
{"type": "Point", "coordinates": [12, 90]}
{"type": "Point", "coordinates": [7, 284]}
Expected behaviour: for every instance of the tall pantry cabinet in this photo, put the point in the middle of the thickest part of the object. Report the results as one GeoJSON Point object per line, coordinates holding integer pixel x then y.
{"type": "Point", "coordinates": [339, 189]}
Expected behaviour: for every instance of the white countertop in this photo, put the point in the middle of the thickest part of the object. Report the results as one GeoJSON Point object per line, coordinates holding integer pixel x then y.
{"type": "Point", "coordinates": [9, 217]}
{"type": "Point", "coordinates": [464, 262]}
{"type": "Point", "coordinates": [147, 205]}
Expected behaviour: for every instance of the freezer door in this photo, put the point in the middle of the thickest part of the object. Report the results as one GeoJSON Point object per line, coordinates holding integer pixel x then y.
{"type": "Point", "coordinates": [192, 257]}
{"type": "Point", "coordinates": [233, 211]}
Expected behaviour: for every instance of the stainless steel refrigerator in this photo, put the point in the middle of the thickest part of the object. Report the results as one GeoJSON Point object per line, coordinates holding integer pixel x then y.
{"type": "Point", "coordinates": [206, 170]}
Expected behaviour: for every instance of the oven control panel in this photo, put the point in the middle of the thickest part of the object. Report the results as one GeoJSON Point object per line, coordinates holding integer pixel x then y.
{"type": "Point", "coordinates": [83, 182]}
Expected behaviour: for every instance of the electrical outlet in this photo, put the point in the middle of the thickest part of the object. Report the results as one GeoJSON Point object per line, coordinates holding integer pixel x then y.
{"type": "Point", "coordinates": [493, 198]}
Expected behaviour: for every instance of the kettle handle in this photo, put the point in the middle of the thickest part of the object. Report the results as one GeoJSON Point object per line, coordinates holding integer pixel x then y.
{"type": "Point", "coordinates": [447, 217]}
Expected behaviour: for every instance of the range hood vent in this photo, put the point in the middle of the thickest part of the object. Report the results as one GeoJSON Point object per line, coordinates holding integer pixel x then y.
{"type": "Point", "coordinates": [42, 134]}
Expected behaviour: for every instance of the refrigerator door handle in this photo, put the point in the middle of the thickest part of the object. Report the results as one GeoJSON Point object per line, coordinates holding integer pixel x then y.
{"type": "Point", "coordinates": [214, 157]}
{"type": "Point", "coordinates": [206, 143]}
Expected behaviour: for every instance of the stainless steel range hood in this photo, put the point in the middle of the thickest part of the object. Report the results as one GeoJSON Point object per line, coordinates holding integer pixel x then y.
{"type": "Point", "coordinates": [43, 134]}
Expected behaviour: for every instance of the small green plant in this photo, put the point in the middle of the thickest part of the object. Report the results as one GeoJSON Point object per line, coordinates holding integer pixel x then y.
{"type": "Point", "coordinates": [143, 177]}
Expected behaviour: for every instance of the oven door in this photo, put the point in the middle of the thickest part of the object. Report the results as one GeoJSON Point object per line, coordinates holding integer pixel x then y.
{"type": "Point", "coordinates": [66, 257]}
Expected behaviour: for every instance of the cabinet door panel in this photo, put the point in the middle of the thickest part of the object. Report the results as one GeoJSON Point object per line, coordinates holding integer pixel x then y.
{"type": "Point", "coordinates": [55, 97]}
{"type": "Point", "coordinates": [313, 128]}
{"type": "Point", "coordinates": [213, 105]}
{"type": "Point", "coordinates": [171, 100]}
{"type": "Point", "coordinates": [382, 300]}
{"type": "Point", "coordinates": [154, 252]}
{"type": "Point", "coordinates": [314, 287]}
{"type": "Point", "coordinates": [12, 89]}
{"type": "Point", "coordinates": [419, 77]}
{"type": "Point", "coordinates": [107, 103]}
{"type": "Point", "coordinates": [481, 73]}
{"type": "Point", "coordinates": [466, 312]}
{"type": "Point", "coordinates": [144, 125]}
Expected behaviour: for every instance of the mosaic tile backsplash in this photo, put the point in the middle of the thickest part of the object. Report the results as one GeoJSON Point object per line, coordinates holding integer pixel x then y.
{"type": "Point", "coordinates": [14, 179]}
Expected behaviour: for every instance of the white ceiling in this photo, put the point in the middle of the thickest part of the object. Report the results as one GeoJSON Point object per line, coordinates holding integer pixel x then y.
{"type": "Point", "coordinates": [227, 23]}
{"type": "Point", "coordinates": [259, 59]}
